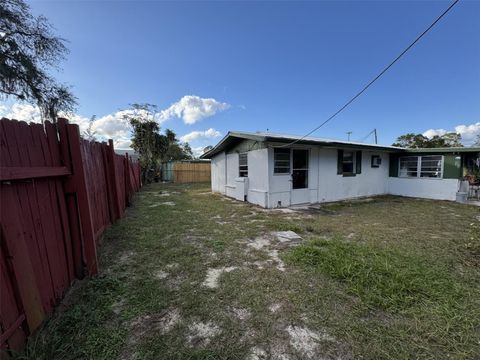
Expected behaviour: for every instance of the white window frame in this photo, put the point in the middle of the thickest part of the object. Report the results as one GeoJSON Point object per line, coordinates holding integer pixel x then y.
{"type": "Point", "coordinates": [240, 170]}
{"type": "Point", "coordinates": [419, 167]}
{"type": "Point", "coordinates": [283, 167]}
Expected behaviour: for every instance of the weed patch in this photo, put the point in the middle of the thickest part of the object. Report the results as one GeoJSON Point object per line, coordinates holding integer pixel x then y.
{"type": "Point", "coordinates": [386, 279]}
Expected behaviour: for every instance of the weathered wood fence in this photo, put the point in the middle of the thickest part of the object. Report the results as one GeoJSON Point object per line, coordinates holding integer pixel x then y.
{"type": "Point", "coordinates": [186, 172]}
{"type": "Point", "coordinates": [58, 193]}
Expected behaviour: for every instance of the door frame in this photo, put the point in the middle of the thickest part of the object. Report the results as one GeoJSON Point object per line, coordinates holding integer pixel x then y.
{"type": "Point", "coordinates": [305, 190]}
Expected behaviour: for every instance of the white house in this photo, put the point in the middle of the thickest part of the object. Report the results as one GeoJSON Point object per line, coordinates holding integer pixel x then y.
{"type": "Point", "coordinates": [268, 170]}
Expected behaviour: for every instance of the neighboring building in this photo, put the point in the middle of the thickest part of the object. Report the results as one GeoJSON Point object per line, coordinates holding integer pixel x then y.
{"type": "Point", "coordinates": [263, 169]}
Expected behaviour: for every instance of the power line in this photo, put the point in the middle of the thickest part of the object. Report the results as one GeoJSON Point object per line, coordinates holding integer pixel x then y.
{"type": "Point", "coordinates": [366, 136]}
{"type": "Point", "coordinates": [374, 132]}
{"type": "Point", "coordinates": [378, 76]}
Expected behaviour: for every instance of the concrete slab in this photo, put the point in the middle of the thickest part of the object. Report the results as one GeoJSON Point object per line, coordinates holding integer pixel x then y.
{"type": "Point", "coordinates": [287, 236]}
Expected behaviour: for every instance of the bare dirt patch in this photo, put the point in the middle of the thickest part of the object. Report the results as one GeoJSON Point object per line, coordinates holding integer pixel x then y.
{"type": "Point", "coordinates": [274, 307]}
{"type": "Point", "coordinates": [160, 274]}
{"type": "Point", "coordinates": [148, 324]}
{"type": "Point", "coordinates": [213, 275]}
{"type": "Point", "coordinates": [241, 313]}
{"type": "Point", "coordinates": [306, 341]}
{"type": "Point", "coordinates": [271, 243]}
{"type": "Point", "coordinates": [200, 333]}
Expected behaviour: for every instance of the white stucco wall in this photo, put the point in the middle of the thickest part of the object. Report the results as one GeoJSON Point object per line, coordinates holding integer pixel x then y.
{"type": "Point", "coordinates": [218, 173]}
{"type": "Point", "coordinates": [258, 177]}
{"type": "Point", "coordinates": [225, 169]}
{"type": "Point", "coordinates": [333, 187]}
{"type": "Point", "coordinates": [324, 184]}
{"type": "Point", "coordinates": [271, 190]}
{"type": "Point", "coordinates": [438, 189]}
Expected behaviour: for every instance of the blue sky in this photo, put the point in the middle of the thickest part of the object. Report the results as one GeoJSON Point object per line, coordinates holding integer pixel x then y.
{"type": "Point", "coordinates": [282, 66]}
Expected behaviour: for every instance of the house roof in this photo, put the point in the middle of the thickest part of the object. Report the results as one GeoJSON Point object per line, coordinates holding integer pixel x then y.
{"type": "Point", "coordinates": [445, 150]}
{"type": "Point", "coordinates": [235, 136]}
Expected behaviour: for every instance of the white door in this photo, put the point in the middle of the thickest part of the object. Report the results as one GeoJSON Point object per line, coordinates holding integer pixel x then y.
{"type": "Point", "coordinates": [300, 192]}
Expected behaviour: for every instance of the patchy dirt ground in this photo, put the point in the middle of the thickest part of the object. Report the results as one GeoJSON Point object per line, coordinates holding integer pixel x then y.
{"type": "Point", "coordinates": [192, 275]}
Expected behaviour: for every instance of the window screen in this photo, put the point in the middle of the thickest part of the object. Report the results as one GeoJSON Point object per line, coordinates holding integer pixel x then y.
{"type": "Point", "coordinates": [281, 159]}
{"type": "Point", "coordinates": [427, 166]}
{"type": "Point", "coordinates": [431, 166]}
{"type": "Point", "coordinates": [408, 166]}
{"type": "Point", "coordinates": [243, 165]}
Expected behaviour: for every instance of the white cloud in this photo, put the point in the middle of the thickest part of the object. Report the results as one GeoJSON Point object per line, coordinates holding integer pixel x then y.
{"type": "Point", "coordinates": [197, 151]}
{"type": "Point", "coordinates": [195, 135]}
{"type": "Point", "coordinates": [192, 108]}
{"type": "Point", "coordinates": [122, 144]}
{"type": "Point", "coordinates": [111, 126]}
{"type": "Point", "coordinates": [21, 111]}
{"type": "Point", "coordinates": [469, 133]}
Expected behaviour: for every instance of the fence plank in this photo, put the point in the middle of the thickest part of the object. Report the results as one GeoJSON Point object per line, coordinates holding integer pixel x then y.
{"type": "Point", "coordinates": [58, 193]}
{"type": "Point", "coordinates": [83, 202]}
{"type": "Point", "coordinates": [71, 201]}
{"type": "Point", "coordinates": [60, 200]}
{"type": "Point", "coordinates": [114, 184]}
{"type": "Point", "coordinates": [16, 248]}
{"type": "Point", "coordinates": [9, 311]}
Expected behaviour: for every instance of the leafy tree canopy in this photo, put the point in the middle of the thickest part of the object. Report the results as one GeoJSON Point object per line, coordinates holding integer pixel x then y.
{"type": "Point", "coordinates": [152, 146]}
{"type": "Point", "coordinates": [207, 148]}
{"type": "Point", "coordinates": [412, 140]}
{"type": "Point", "coordinates": [29, 50]}
{"type": "Point", "coordinates": [477, 141]}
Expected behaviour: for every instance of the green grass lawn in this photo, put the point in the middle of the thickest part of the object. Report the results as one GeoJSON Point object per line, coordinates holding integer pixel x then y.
{"type": "Point", "coordinates": [192, 275]}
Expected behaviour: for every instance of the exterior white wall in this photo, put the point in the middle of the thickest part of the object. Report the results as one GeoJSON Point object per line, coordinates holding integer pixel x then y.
{"type": "Point", "coordinates": [438, 189]}
{"type": "Point", "coordinates": [323, 182]}
{"type": "Point", "coordinates": [271, 190]}
{"type": "Point", "coordinates": [225, 169]}
{"type": "Point", "coordinates": [333, 187]}
{"type": "Point", "coordinates": [258, 177]}
{"type": "Point", "coordinates": [232, 174]}
{"type": "Point", "coordinates": [218, 164]}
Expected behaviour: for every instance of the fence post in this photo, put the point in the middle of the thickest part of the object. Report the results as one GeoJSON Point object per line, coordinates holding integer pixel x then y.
{"type": "Point", "coordinates": [79, 208]}
{"type": "Point", "coordinates": [114, 180]}
{"type": "Point", "coordinates": [71, 200]}
{"type": "Point", "coordinates": [127, 180]}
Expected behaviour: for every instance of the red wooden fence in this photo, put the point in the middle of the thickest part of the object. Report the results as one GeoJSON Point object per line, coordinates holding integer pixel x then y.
{"type": "Point", "coordinates": [58, 193]}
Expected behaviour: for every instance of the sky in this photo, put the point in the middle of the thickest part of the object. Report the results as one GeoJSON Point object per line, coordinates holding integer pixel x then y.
{"type": "Point", "coordinates": [213, 67]}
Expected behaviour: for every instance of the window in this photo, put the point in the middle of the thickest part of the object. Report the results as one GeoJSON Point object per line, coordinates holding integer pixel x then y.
{"type": "Point", "coordinates": [281, 161]}
{"type": "Point", "coordinates": [430, 166]}
{"type": "Point", "coordinates": [408, 166]}
{"type": "Point", "coordinates": [243, 165]}
{"type": "Point", "coordinates": [347, 163]}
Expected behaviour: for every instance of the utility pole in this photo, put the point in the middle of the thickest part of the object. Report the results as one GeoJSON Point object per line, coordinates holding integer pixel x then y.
{"type": "Point", "coordinates": [375, 132]}
{"type": "Point", "coordinates": [348, 134]}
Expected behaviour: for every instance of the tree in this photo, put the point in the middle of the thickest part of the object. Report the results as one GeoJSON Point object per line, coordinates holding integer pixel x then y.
{"type": "Point", "coordinates": [207, 148]}
{"type": "Point", "coordinates": [175, 149]}
{"type": "Point", "coordinates": [146, 139]}
{"type": "Point", "coordinates": [90, 134]}
{"type": "Point", "coordinates": [477, 141]}
{"type": "Point", "coordinates": [152, 147]}
{"type": "Point", "coordinates": [29, 50]}
{"type": "Point", "coordinates": [412, 140]}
